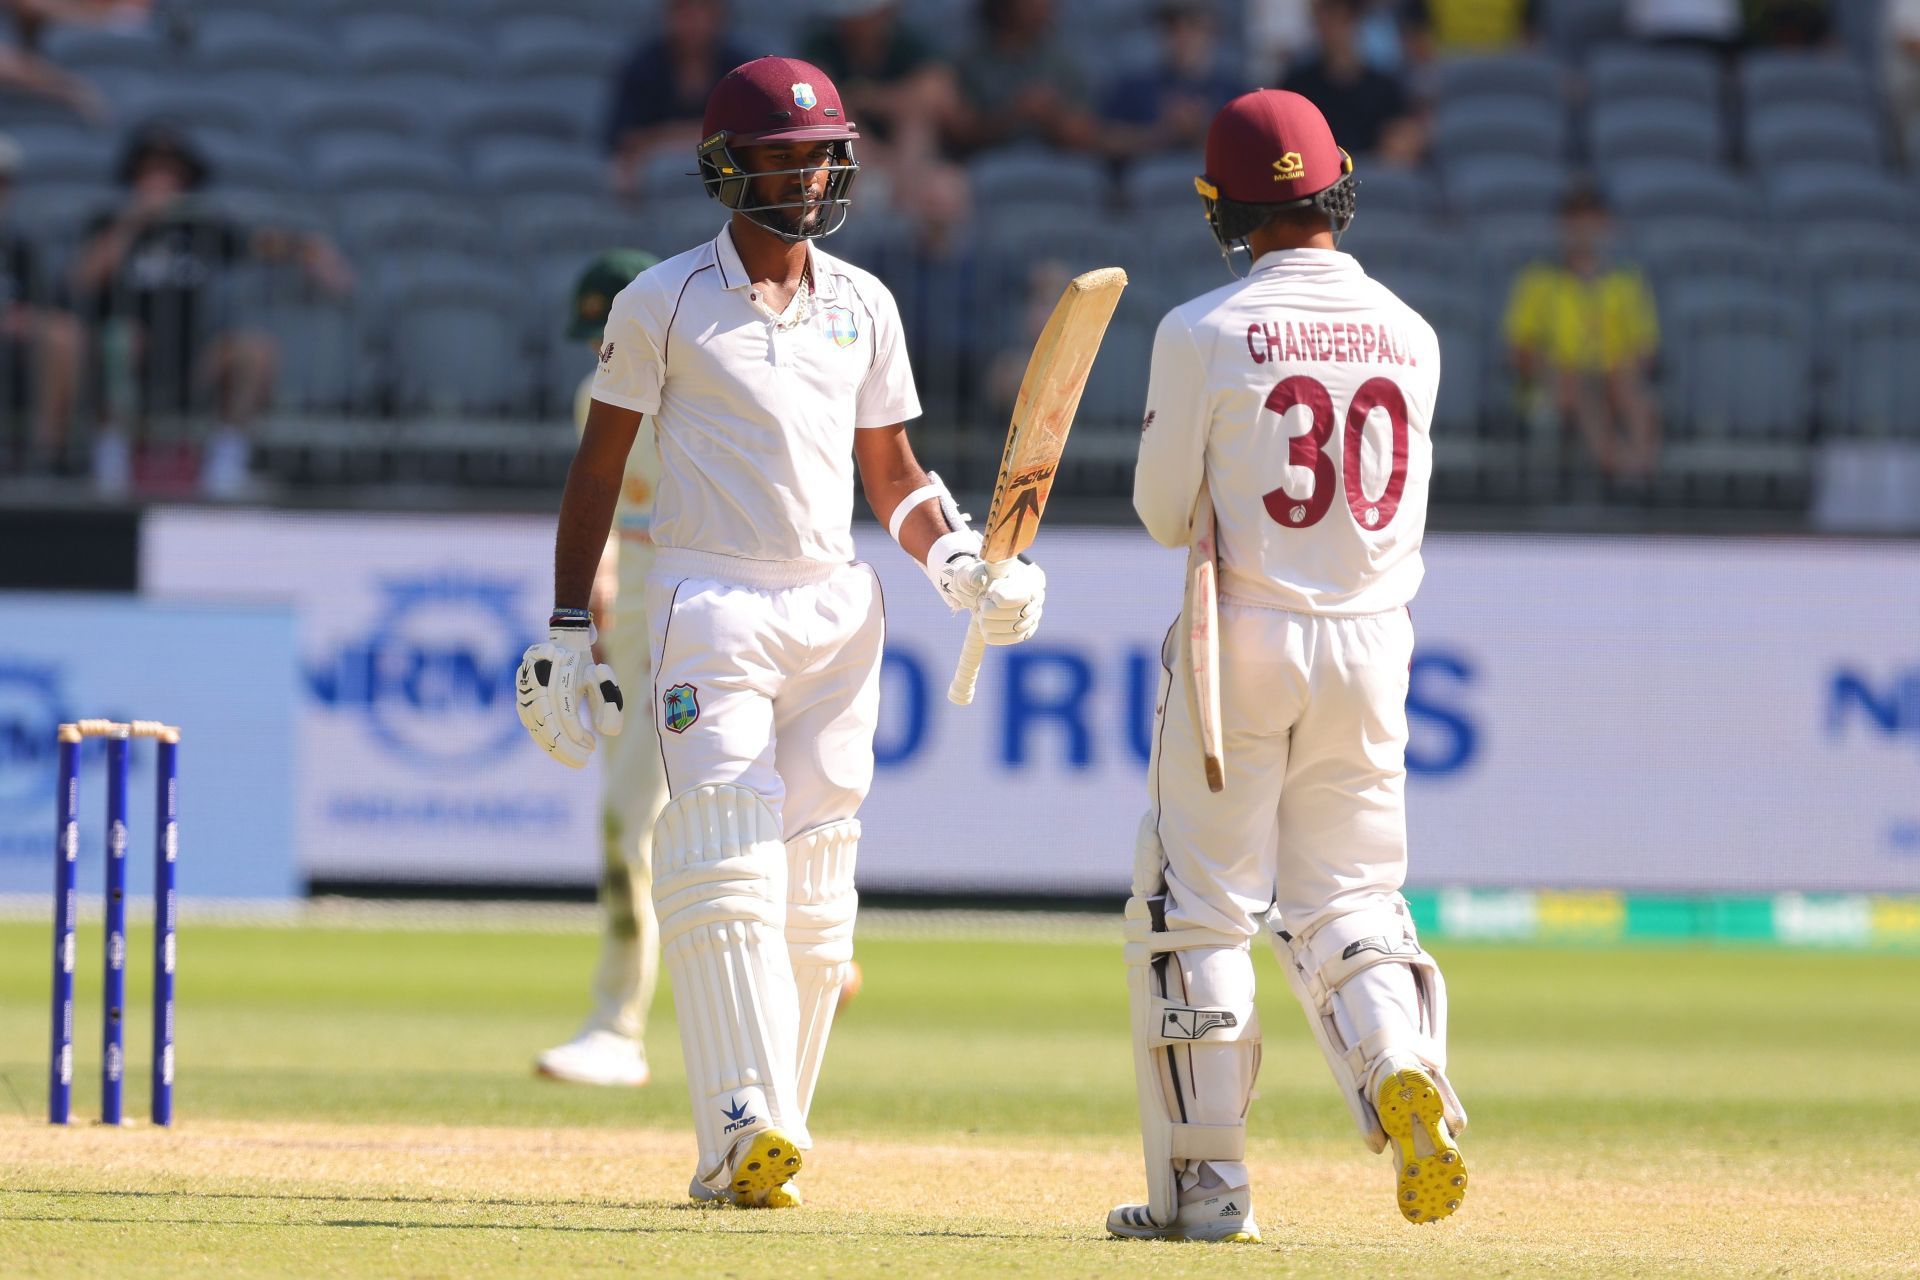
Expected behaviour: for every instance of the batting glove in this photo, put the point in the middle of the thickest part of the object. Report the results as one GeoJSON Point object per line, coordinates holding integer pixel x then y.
{"type": "Point", "coordinates": [1008, 606]}
{"type": "Point", "coordinates": [564, 696]}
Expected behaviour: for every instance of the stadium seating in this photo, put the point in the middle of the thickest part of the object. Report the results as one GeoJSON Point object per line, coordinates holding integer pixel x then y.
{"type": "Point", "coordinates": [1490, 126]}
{"type": "Point", "coordinates": [452, 148]}
{"type": "Point", "coordinates": [1820, 135]}
{"type": "Point", "coordinates": [1502, 186]}
{"type": "Point", "coordinates": [1874, 331]}
{"type": "Point", "coordinates": [1534, 78]}
{"type": "Point", "coordinates": [1809, 192]}
{"type": "Point", "coordinates": [1626, 72]}
{"type": "Point", "coordinates": [1629, 129]}
{"type": "Point", "coordinates": [455, 342]}
{"type": "Point", "coordinates": [1802, 79]}
{"type": "Point", "coordinates": [1673, 189]}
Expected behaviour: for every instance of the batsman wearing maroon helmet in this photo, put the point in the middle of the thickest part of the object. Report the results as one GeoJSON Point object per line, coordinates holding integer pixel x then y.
{"type": "Point", "coordinates": [1296, 403]}
{"type": "Point", "coordinates": [770, 369]}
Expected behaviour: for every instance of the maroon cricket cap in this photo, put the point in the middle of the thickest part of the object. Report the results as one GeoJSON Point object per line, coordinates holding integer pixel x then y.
{"type": "Point", "coordinates": [1271, 147]}
{"type": "Point", "coordinates": [776, 100]}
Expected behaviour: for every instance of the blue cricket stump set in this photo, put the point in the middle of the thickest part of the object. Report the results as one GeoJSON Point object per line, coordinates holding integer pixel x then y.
{"type": "Point", "coordinates": [166, 848]}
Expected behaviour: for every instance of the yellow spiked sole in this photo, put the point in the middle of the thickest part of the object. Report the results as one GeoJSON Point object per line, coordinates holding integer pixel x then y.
{"type": "Point", "coordinates": [762, 1174]}
{"type": "Point", "coordinates": [1432, 1174]}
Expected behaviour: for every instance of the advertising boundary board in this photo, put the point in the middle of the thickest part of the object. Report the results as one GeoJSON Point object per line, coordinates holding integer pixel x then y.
{"type": "Point", "coordinates": [1664, 716]}
{"type": "Point", "coordinates": [222, 672]}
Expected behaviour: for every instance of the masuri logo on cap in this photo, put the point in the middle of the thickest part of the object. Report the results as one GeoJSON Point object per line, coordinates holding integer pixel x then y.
{"type": "Point", "coordinates": [1289, 168]}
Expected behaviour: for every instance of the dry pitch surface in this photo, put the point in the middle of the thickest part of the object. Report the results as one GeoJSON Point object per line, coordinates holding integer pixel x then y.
{"type": "Point", "coordinates": [970, 1133]}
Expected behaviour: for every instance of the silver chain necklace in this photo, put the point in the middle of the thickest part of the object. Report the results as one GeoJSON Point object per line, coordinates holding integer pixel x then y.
{"type": "Point", "coordinates": [800, 309]}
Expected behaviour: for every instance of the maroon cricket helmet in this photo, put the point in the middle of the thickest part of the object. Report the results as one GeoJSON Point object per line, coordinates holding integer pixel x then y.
{"type": "Point", "coordinates": [778, 100]}
{"type": "Point", "coordinates": [1267, 151]}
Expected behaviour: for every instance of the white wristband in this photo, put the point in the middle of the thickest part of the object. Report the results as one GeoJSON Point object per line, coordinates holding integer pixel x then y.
{"type": "Point", "coordinates": [949, 545]}
{"type": "Point", "coordinates": [909, 503]}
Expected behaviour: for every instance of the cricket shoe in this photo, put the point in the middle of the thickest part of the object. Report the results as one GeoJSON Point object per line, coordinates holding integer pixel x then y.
{"type": "Point", "coordinates": [1223, 1216]}
{"type": "Point", "coordinates": [1432, 1174]}
{"type": "Point", "coordinates": [764, 1171]}
{"type": "Point", "coordinates": [596, 1057]}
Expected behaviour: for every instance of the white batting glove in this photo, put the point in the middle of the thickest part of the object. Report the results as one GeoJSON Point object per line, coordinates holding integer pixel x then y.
{"type": "Point", "coordinates": [564, 695]}
{"type": "Point", "coordinates": [1008, 607]}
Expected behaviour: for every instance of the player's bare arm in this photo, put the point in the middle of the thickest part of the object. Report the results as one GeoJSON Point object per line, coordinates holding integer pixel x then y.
{"type": "Point", "coordinates": [889, 475]}
{"type": "Point", "coordinates": [586, 506]}
{"type": "Point", "coordinates": [563, 693]}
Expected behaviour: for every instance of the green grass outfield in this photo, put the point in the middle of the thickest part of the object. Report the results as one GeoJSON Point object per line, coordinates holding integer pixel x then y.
{"type": "Point", "coordinates": [357, 1100]}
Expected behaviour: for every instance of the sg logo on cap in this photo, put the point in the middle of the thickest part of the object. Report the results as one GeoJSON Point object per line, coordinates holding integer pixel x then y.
{"type": "Point", "coordinates": [1289, 168]}
{"type": "Point", "coordinates": [804, 96]}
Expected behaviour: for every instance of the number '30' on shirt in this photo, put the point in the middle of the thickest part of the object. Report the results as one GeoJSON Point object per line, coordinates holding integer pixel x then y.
{"type": "Point", "coordinates": [1306, 393]}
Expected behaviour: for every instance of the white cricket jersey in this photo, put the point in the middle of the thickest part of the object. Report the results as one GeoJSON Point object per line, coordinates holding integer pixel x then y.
{"type": "Point", "coordinates": [1306, 393]}
{"type": "Point", "coordinates": [755, 422]}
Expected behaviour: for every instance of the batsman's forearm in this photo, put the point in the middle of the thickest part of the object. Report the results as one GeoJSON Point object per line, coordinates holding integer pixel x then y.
{"type": "Point", "coordinates": [586, 515]}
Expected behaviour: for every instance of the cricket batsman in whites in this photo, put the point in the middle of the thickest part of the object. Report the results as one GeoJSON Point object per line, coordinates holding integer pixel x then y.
{"type": "Point", "coordinates": [1294, 405]}
{"type": "Point", "coordinates": [770, 369]}
{"type": "Point", "coordinates": [609, 1049]}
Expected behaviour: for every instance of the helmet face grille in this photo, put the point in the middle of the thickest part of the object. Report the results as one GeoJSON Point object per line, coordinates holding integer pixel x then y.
{"type": "Point", "coordinates": [727, 181]}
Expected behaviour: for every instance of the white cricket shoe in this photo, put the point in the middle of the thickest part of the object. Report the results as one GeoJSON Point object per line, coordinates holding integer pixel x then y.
{"type": "Point", "coordinates": [1223, 1215]}
{"type": "Point", "coordinates": [596, 1057]}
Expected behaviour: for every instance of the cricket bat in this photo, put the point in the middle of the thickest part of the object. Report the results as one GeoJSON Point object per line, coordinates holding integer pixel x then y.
{"type": "Point", "coordinates": [1203, 637]}
{"type": "Point", "coordinates": [1042, 416]}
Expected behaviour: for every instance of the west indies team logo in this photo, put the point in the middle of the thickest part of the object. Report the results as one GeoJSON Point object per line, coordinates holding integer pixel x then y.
{"type": "Point", "coordinates": [840, 326]}
{"type": "Point", "coordinates": [681, 705]}
{"type": "Point", "coordinates": [804, 97]}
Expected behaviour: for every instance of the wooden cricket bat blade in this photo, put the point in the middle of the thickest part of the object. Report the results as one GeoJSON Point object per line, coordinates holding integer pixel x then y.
{"type": "Point", "coordinates": [1042, 415]}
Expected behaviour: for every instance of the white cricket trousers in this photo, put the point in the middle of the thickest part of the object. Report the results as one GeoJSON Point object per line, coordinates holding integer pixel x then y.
{"type": "Point", "coordinates": [766, 674]}
{"type": "Point", "coordinates": [1313, 817]}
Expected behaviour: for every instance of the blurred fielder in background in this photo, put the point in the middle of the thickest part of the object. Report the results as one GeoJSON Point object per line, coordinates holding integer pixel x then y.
{"type": "Point", "coordinates": [769, 369]}
{"type": "Point", "coordinates": [610, 1048]}
{"type": "Point", "coordinates": [1300, 398]}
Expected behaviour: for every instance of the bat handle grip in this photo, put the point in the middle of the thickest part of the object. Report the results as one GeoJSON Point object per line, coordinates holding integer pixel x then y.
{"type": "Point", "coordinates": [967, 674]}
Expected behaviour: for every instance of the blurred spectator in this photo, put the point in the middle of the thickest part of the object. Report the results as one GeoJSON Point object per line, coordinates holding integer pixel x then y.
{"type": "Point", "coordinates": [1438, 28]}
{"type": "Point", "coordinates": [1279, 35]}
{"type": "Point", "coordinates": [1019, 85]}
{"type": "Point", "coordinates": [1903, 72]}
{"type": "Point", "coordinates": [31, 18]}
{"type": "Point", "coordinates": [148, 276]}
{"type": "Point", "coordinates": [25, 72]}
{"type": "Point", "coordinates": [1169, 106]}
{"type": "Point", "coordinates": [904, 99]}
{"type": "Point", "coordinates": [39, 342]}
{"type": "Point", "coordinates": [1369, 110]}
{"type": "Point", "coordinates": [1713, 25]}
{"type": "Point", "coordinates": [1789, 24]}
{"type": "Point", "coordinates": [890, 77]}
{"type": "Point", "coordinates": [660, 92]}
{"type": "Point", "coordinates": [1582, 333]}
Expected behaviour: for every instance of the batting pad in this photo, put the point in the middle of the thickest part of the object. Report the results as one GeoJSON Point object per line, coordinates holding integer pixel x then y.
{"type": "Point", "coordinates": [720, 887]}
{"type": "Point", "coordinates": [821, 904]}
{"type": "Point", "coordinates": [1193, 1097]}
{"type": "Point", "coordinates": [1374, 999]}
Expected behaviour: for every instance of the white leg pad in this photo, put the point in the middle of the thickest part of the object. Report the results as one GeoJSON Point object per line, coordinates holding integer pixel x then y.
{"type": "Point", "coordinates": [1170, 1096]}
{"type": "Point", "coordinates": [720, 888]}
{"type": "Point", "coordinates": [821, 905]}
{"type": "Point", "coordinates": [1373, 997]}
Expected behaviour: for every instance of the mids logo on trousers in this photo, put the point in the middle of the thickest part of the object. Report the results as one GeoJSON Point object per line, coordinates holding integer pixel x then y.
{"type": "Point", "coordinates": [681, 707]}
